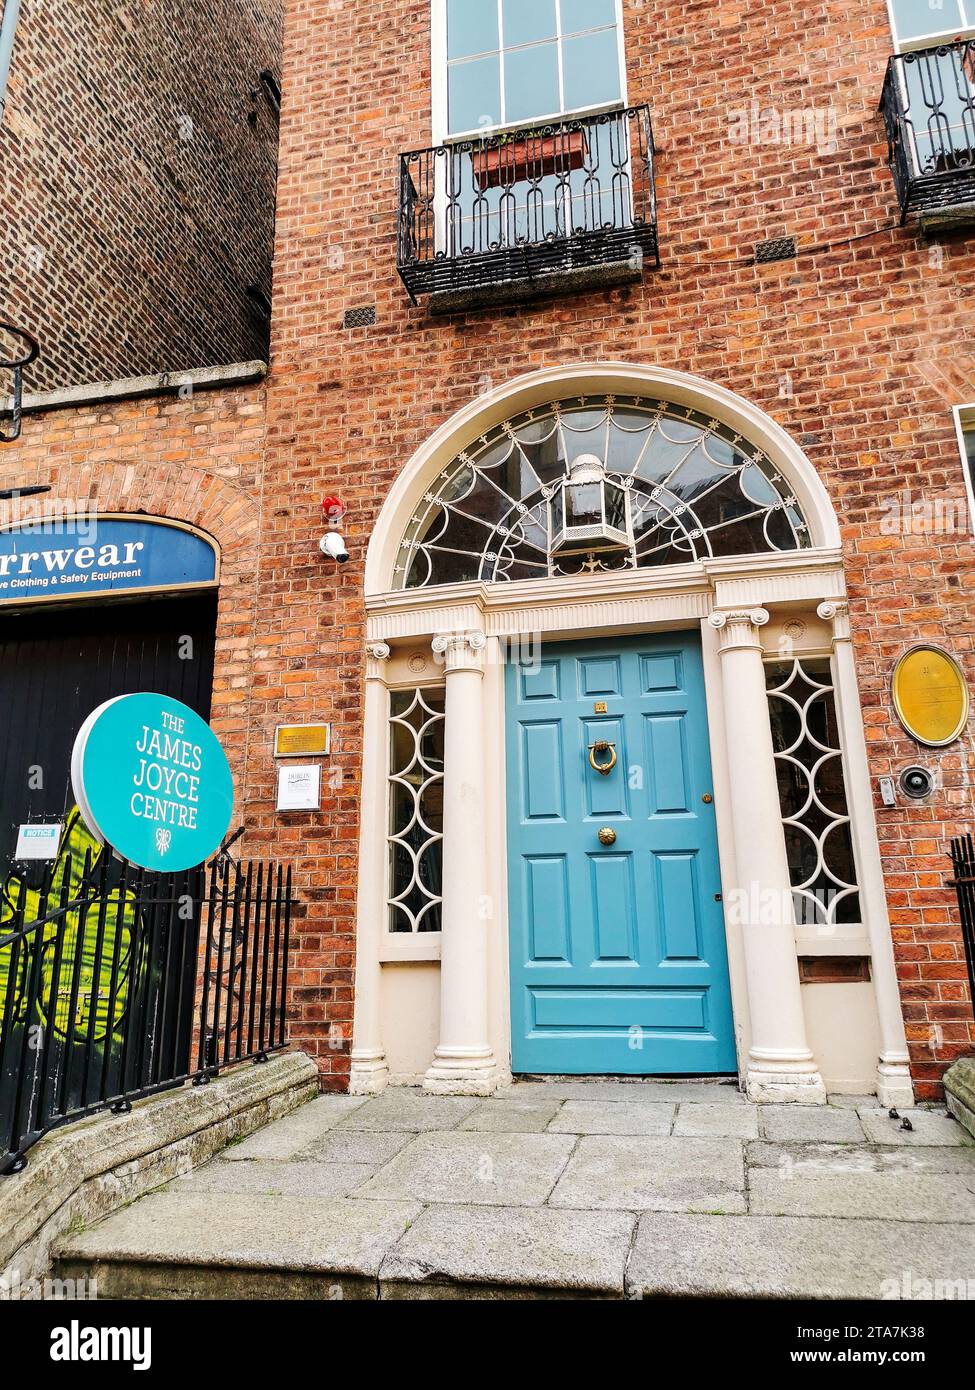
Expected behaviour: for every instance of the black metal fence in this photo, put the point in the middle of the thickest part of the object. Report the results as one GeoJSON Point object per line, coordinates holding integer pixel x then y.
{"type": "Point", "coordinates": [963, 863]}
{"type": "Point", "coordinates": [116, 983]}
{"type": "Point", "coordinates": [928, 105]}
{"type": "Point", "coordinates": [567, 195]}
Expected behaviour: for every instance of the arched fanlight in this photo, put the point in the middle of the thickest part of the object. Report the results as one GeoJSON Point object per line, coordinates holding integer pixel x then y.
{"type": "Point", "coordinates": [598, 483]}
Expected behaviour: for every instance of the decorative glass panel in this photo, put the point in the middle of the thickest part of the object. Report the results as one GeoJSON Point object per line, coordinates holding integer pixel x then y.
{"type": "Point", "coordinates": [696, 490]}
{"type": "Point", "coordinates": [812, 790]}
{"type": "Point", "coordinates": [416, 810]}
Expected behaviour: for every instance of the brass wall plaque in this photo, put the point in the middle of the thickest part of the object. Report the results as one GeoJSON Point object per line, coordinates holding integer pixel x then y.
{"type": "Point", "coordinates": [931, 696]}
{"type": "Point", "coordinates": [302, 740]}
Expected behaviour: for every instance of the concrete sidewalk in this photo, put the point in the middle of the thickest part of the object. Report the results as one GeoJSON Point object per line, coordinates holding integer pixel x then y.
{"type": "Point", "coordinates": [586, 1189]}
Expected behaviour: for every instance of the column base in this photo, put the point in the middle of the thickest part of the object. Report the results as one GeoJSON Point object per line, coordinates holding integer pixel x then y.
{"type": "Point", "coordinates": [895, 1088]}
{"type": "Point", "coordinates": [782, 1085]}
{"type": "Point", "coordinates": [369, 1075]}
{"type": "Point", "coordinates": [462, 1072]}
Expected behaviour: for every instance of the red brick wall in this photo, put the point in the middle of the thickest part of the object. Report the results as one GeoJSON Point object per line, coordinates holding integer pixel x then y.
{"type": "Point", "coordinates": [136, 199]}
{"type": "Point", "coordinates": [873, 336]}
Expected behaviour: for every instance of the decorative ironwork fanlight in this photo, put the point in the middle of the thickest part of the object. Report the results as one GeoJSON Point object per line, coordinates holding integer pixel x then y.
{"type": "Point", "coordinates": [598, 483]}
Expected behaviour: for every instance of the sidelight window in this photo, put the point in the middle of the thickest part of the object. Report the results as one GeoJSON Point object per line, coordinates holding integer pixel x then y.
{"type": "Point", "coordinates": [812, 792]}
{"type": "Point", "coordinates": [416, 810]}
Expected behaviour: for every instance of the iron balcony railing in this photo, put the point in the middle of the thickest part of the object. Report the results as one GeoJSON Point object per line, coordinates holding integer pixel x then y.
{"type": "Point", "coordinates": [565, 196]}
{"type": "Point", "coordinates": [116, 984]}
{"type": "Point", "coordinates": [928, 106]}
{"type": "Point", "coordinates": [963, 863]}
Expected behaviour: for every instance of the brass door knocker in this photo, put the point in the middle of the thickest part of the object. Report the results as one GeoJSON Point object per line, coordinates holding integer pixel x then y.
{"type": "Point", "coordinates": [598, 749]}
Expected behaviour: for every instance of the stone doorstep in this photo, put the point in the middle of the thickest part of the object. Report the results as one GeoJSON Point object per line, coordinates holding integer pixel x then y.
{"type": "Point", "coordinates": [85, 1171]}
{"type": "Point", "coordinates": [270, 1228]}
{"type": "Point", "coordinates": [960, 1092]}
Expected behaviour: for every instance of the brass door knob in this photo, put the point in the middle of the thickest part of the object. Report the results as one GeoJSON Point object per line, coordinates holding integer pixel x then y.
{"type": "Point", "coordinates": [607, 836]}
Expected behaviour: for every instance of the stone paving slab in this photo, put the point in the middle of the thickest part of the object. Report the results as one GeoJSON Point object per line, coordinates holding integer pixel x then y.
{"type": "Point", "coordinates": [296, 1233]}
{"type": "Point", "coordinates": [636, 1174]}
{"type": "Point", "coordinates": [412, 1111]}
{"type": "Point", "coordinates": [373, 1147]}
{"type": "Point", "coordinates": [612, 1117]}
{"type": "Point", "coordinates": [806, 1123]}
{"type": "Point", "coordinates": [716, 1121]}
{"type": "Point", "coordinates": [937, 1197]}
{"type": "Point", "coordinates": [929, 1129]}
{"type": "Point", "coordinates": [528, 1249]}
{"type": "Point", "coordinates": [794, 1257]}
{"type": "Point", "coordinates": [650, 1092]}
{"type": "Point", "coordinates": [277, 1179]}
{"type": "Point", "coordinates": [513, 1115]}
{"type": "Point", "coordinates": [863, 1158]}
{"type": "Point", "coordinates": [284, 1138]}
{"type": "Point", "coordinates": [513, 1170]}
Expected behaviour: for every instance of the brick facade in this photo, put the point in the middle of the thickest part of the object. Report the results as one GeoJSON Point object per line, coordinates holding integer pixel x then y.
{"type": "Point", "coordinates": [859, 348]}
{"type": "Point", "coordinates": [137, 197]}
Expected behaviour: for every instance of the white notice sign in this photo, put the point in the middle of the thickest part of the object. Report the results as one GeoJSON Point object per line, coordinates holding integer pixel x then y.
{"type": "Point", "coordinates": [300, 788]}
{"type": "Point", "coordinates": [38, 842]}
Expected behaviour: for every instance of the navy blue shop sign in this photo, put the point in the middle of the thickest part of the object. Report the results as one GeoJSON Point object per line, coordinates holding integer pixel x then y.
{"type": "Point", "coordinates": [90, 556]}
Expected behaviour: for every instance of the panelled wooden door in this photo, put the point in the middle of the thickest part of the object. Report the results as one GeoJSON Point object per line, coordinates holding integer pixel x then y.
{"type": "Point", "coordinates": [58, 664]}
{"type": "Point", "coordinates": [618, 957]}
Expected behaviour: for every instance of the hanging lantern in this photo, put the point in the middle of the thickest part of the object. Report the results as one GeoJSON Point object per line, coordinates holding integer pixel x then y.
{"type": "Point", "coordinates": [588, 512]}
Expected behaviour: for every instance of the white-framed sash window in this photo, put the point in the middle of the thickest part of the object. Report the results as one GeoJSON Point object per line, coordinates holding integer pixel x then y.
{"type": "Point", "coordinates": [499, 64]}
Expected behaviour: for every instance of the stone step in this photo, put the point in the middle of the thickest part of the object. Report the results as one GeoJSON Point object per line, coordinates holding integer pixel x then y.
{"type": "Point", "coordinates": [214, 1245]}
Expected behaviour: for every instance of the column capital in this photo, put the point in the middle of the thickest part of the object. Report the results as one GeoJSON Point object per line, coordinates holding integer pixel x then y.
{"type": "Point", "coordinates": [377, 654]}
{"type": "Point", "coordinates": [837, 612]}
{"type": "Point", "coordinates": [460, 651]}
{"type": "Point", "coordinates": [740, 628]}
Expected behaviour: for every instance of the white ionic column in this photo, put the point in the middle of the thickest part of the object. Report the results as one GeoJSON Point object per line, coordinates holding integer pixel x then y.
{"type": "Point", "coordinates": [370, 1074]}
{"type": "Point", "coordinates": [894, 1087]}
{"type": "Point", "coordinates": [781, 1068]}
{"type": "Point", "coordinates": [464, 1062]}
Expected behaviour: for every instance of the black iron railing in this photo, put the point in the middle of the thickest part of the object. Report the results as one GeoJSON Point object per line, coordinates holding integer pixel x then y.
{"type": "Point", "coordinates": [27, 354]}
{"type": "Point", "coordinates": [566, 196]}
{"type": "Point", "coordinates": [963, 862]}
{"type": "Point", "coordinates": [928, 105]}
{"type": "Point", "coordinates": [116, 984]}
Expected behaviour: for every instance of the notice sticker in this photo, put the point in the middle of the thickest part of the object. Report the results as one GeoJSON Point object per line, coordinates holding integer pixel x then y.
{"type": "Point", "coordinates": [38, 841]}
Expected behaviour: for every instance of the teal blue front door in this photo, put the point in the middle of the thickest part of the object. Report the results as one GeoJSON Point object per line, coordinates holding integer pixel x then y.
{"type": "Point", "coordinates": [618, 955]}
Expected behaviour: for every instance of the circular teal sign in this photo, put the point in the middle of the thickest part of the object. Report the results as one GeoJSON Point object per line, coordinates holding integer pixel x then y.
{"type": "Point", "coordinates": [152, 781]}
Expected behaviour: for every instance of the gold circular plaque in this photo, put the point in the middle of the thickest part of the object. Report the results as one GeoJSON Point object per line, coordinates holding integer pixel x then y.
{"type": "Point", "coordinates": [931, 696]}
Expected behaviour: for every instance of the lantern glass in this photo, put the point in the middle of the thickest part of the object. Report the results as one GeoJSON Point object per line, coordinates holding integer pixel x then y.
{"type": "Point", "coordinates": [584, 504]}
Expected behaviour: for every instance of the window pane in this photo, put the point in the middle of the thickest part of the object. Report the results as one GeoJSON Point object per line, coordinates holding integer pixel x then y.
{"type": "Point", "coordinates": [475, 94]}
{"type": "Point", "coordinates": [531, 82]}
{"type": "Point", "coordinates": [578, 15]}
{"type": "Point", "coordinates": [970, 449]}
{"type": "Point", "coordinates": [916, 18]}
{"type": "Point", "coordinates": [472, 27]}
{"type": "Point", "coordinates": [528, 21]}
{"type": "Point", "coordinates": [592, 70]}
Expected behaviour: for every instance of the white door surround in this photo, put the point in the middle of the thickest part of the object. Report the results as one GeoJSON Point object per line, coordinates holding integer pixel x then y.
{"type": "Point", "coordinates": [747, 609]}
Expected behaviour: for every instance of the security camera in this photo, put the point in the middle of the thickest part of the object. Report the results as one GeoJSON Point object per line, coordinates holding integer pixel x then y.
{"type": "Point", "coordinates": [333, 545]}
{"type": "Point", "coordinates": [917, 783]}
